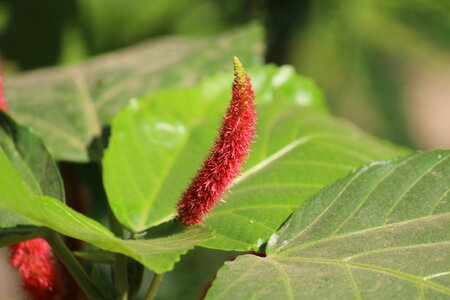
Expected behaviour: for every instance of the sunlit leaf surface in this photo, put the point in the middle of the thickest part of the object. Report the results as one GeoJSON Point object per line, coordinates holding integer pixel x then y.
{"type": "Point", "coordinates": [159, 142]}
{"type": "Point", "coordinates": [380, 233]}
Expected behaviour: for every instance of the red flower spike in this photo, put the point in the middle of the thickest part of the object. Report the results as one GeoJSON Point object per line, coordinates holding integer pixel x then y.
{"type": "Point", "coordinates": [34, 260]}
{"type": "Point", "coordinates": [2, 94]}
{"type": "Point", "coordinates": [226, 157]}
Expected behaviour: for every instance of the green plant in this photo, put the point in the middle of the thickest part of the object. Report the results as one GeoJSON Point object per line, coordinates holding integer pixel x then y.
{"type": "Point", "coordinates": [330, 211]}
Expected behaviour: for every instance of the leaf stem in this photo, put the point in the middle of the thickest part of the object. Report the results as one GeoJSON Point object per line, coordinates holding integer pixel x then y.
{"type": "Point", "coordinates": [120, 268]}
{"type": "Point", "coordinates": [154, 286]}
{"type": "Point", "coordinates": [121, 277]}
{"type": "Point", "coordinates": [73, 266]}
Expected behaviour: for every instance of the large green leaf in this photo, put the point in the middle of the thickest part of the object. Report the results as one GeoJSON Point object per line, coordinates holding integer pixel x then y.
{"type": "Point", "coordinates": [158, 143]}
{"type": "Point", "coordinates": [380, 233]}
{"type": "Point", "coordinates": [30, 157]}
{"type": "Point", "coordinates": [299, 153]}
{"type": "Point", "coordinates": [67, 106]}
{"type": "Point", "coordinates": [159, 253]}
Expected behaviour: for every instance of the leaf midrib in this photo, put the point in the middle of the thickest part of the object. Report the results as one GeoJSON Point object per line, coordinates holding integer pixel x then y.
{"type": "Point", "coordinates": [327, 239]}
{"type": "Point", "coordinates": [364, 253]}
{"type": "Point", "coordinates": [292, 146]}
{"type": "Point", "coordinates": [373, 189]}
{"type": "Point", "coordinates": [374, 268]}
{"type": "Point", "coordinates": [87, 104]}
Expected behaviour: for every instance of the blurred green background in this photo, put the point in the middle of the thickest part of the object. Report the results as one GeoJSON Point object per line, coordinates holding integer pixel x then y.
{"type": "Point", "coordinates": [383, 64]}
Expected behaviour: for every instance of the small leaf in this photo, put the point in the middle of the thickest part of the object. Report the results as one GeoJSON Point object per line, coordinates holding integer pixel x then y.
{"type": "Point", "coordinates": [30, 157]}
{"type": "Point", "coordinates": [14, 235]}
{"type": "Point", "coordinates": [380, 233]}
{"type": "Point", "coordinates": [68, 106]}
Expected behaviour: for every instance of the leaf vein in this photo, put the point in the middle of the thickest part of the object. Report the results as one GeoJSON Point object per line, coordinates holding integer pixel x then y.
{"type": "Point", "coordinates": [306, 245]}
{"type": "Point", "coordinates": [439, 201]}
{"type": "Point", "coordinates": [391, 210]}
{"type": "Point", "coordinates": [370, 192]}
{"type": "Point", "coordinates": [352, 281]}
{"type": "Point", "coordinates": [322, 213]}
{"type": "Point", "coordinates": [285, 276]}
{"type": "Point", "coordinates": [395, 248]}
{"type": "Point", "coordinates": [369, 267]}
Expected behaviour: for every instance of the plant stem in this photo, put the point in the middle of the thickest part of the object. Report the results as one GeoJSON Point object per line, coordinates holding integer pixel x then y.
{"type": "Point", "coordinates": [73, 266]}
{"type": "Point", "coordinates": [154, 286]}
{"type": "Point", "coordinates": [120, 267]}
{"type": "Point", "coordinates": [121, 277]}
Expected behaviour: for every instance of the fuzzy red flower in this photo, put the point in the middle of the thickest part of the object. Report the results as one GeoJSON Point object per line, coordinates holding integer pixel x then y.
{"type": "Point", "coordinates": [226, 157]}
{"type": "Point", "coordinates": [34, 260]}
{"type": "Point", "coordinates": [2, 94]}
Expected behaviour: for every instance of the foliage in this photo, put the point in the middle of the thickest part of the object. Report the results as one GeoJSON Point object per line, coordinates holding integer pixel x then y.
{"type": "Point", "coordinates": [330, 210]}
{"type": "Point", "coordinates": [68, 106]}
{"type": "Point", "coordinates": [378, 233]}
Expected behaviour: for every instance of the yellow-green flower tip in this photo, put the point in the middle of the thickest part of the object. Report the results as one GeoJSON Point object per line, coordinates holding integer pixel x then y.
{"type": "Point", "coordinates": [239, 70]}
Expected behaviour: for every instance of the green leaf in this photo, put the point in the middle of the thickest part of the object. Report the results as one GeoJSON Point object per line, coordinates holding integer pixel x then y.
{"type": "Point", "coordinates": [193, 274]}
{"type": "Point", "coordinates": [158, 143]}
{"type": "Point", "coordinates": [14, 235]}
{"type": "Point", "coordinates": [157, 253]}
{"type": "Point", "coordinates": [380, 233]}
{"type": "Point", "coordinates": [30, 157]}
{"type": "Point", "coordinates": [105, 287]}
{"type": "Point", "coordinates": [100, 256]}
{"type": "Point", "coordinates": [68, 106]}
{"type": "Point", "coordinates": [302, 152]}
